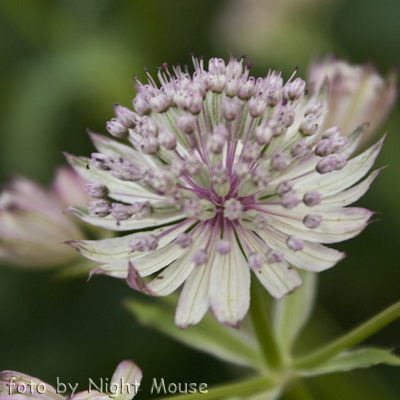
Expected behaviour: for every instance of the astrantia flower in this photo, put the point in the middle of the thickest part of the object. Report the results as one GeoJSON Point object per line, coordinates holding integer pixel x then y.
{"type": "Point", "coordinates": [124, 385]}
{"type": "Point", "coordinates": [221, 175]}
{"type": "Point", "coordinates": [33, 225]}
{"type": "Point", "coordinates": [357, 94]}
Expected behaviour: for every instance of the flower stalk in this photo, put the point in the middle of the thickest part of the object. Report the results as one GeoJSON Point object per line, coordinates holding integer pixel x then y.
{"type": "Point", "coordinates": [261, 318]}
{"type": "Point", "coordinates": [350, 339]}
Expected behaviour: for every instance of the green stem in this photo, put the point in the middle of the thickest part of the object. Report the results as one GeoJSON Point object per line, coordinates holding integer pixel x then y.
{"type": "Point", "coordinates": [261, 317]}
{"type": "Point", "coordinates": [233, 390]}
{"type": "Point", "coordinates": [298, 392]}
{"type": "Point", "coordinates": [350, 339]}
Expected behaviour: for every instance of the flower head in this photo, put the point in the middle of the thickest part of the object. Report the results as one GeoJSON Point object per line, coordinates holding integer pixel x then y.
{"type": "Point", "coordinates": [32, 223]}
{"type": "Point", "coordinates": [227, 175]}
{"type": "Point", "coordinates": [357, 94]}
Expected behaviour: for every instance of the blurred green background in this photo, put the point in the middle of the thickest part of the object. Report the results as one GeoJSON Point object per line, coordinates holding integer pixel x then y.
{"type": "Point", "coordinates": [65, 62]}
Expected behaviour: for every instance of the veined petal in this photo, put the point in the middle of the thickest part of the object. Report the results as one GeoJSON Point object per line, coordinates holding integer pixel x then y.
{"type": "Point", "coordinates": [338, 224]}
{"type": "Point", "coordinates": [128, 192]}
{"type": "Point", "coordinates": [129, 225]}
{"type": "Point", "coordinates": [351, 195]}
{"type": "Point", "coordinates": [194, 300]}
{"type": "Point", "coordinates": [31, 383]}
{"type": "Point", "coordinates": [116, 150]}
{"type": "Point", "coordinates": [115, 249]}
{"type": "Point", "coordinates": [354, 139]}
{"type": "Point", "coordinates": [314, 256]}
{"type": "Point", "coordinates": [175, 274]}
{"type": "Point", "coordinates": [230, 285]}
{"type": "Point", "coordinates": [146, 265]}
{"type": "Point", "coordinates": [128, 372]}
{"type": "Point", "coordinates": [280, 278]}
{"type": "Point", "coordinates": [336, 181]}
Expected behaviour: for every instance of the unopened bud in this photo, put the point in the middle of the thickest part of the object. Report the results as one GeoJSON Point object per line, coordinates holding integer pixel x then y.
{"type": "Point", "coordinates": [200, 257]}
{"type": "Point", "coordinates": [144, 243]}
{"type": "Point", "coordinates": [117, 129]}
{"type": "Point", "coordinates": [274, 256]}
{"type": "Point", "coordinates": [312, 198]}
{"type": "Point", "coordinates": [150, 145]}
{"type": "Point", "coordinates": [184, 240]}
{"type": "Point", "coordinates": [121, 212]}
{"type": "Point", "coordinates": [339, 144]}
{"type": "Point", "coordinates": [255, 260]}
{"type": "Point", "coordinates": [233, 209]}
{"type": "Point", "coordinates": [101, 161]}
{"type": "Point", "coordinates": [289, 200]}
{"type": "Point", "coordinates": [125, 116]}
{"type": "Point", "coordinates": [99, 208]}
{"type": "Point", "coordinates": [223, 246]}
{"type": "Point", "coordinates": [315, 108]}
{"type": "Point", "coordinates": [295, 89]}
{"type": "Point", "coordinates": [324, 148]}
{"type": "Point", "coordinates": [186, 123]}
{"type": "Point", "coordinates": [332, 132]}
{"type": "Point", "coordinates": [229, 109]}
{"type": "Point", "coordinates": [279, 161]}
{"type": "Point", "coordinates": [309, 126]}
{"type": "Point", "coordinates": [295, 243]}
{"type": "Point", "coordinates": [167, 139]}
{"type": "Point", "coordinates": [300, 149]}
{"type": "Point", "coordinates": [312, 221]}
{"type": "Point", "coordinates": [96, 190]}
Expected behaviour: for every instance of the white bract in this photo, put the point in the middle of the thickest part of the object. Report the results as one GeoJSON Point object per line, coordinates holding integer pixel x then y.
{"type": "Point", "coordinates": [357, 94]}
{"type": "Point", "coordinates": [124, 385]}
{"type": "Point", "coordinates": [227, 175]}
{"type": "Point", "coordinates": [33, 225]}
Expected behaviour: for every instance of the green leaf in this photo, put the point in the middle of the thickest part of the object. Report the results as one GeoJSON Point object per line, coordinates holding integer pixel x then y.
{"type": "Point", "coordinates": [209, 335]}
{"type": "Point", "coordinates": [293, 311]}
{"type": "Point", "coordinates": [348, 360]}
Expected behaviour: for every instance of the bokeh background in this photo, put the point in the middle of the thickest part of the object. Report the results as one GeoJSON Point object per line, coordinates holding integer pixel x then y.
{"type": "Point", "coordinates": [65, 62]}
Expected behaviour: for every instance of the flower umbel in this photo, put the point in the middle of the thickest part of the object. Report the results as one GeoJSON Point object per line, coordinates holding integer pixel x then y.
{"type": "Point", "coordinates": [32, 224]}
{"type": "Point", "coordinates": [227, 174]}
{"type": "Point", "coordinates": [357, 94]}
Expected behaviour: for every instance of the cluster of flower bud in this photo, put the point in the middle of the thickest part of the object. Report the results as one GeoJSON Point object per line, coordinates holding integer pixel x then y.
{"type": "Point", "coordinates": [102, 208]}
{"type": "Point", "coordinates": [188, 92]}
{"type": "Point", "coordinates": [125, 119]}
{"type": "Point", "coordinates": [256, 260]}
{"type": "Point", "coordinates": [233, 209]}
{"type": "Point", "coordinates": [123, 212]}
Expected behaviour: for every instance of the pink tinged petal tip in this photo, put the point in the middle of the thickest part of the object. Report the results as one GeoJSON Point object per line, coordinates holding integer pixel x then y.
{"type": "Point", "coordinates": [135, 281]}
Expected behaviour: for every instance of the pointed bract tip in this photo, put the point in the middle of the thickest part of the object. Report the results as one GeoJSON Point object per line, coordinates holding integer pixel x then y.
{"type": "Point", "coordinates": [94, 271]}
